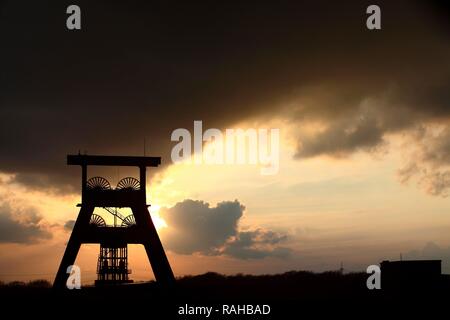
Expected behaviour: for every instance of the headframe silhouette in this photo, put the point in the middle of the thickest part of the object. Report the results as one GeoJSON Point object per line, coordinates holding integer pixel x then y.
{"type": "Point", "coordinates": [129, 194]}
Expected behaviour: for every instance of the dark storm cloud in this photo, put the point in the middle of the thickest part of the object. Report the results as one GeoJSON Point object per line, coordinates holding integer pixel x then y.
{"type": "Point", "coordinates": [344, 136]}
{"type": "Point", "coordinates": [199, 228]}
{"type": "Point", "coordinates": [429, 161]}
{"type": "Point", "coordinates": [39, 181]}
{"type": "Point", "coordinates": [69, 225]}
{"type": "Point", "coordinates": [25, 231]}
{"type": "Point", "coordinates": [195, 227]}
{"type": "Point", "coordinates": [352, 123]}
{"type": "Point", "coordinates": [257, 244]}
{"type": "Point", "coordinates": [143, 68]}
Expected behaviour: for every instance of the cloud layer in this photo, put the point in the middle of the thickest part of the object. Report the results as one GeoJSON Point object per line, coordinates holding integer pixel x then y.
{"type": "Point", "coordinates": [195, 227]}
{"type": "Point", "coordinates": [428, 159]}
{"type": "Point", "coordinates": [104, 88]}
{"type": "Point", "coordinates": [21, 226]}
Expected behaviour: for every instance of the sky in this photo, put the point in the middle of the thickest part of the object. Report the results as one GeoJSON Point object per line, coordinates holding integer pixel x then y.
{"type": "Point", "coordinates": [364, 122]}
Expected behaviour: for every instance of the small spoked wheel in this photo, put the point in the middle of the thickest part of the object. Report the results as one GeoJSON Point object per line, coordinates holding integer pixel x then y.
{"type": "Point", "coordinates": [97, 221]}
{"type": "Point", "coordinates": [98, 183]}
{"type": "Point", "coordinates": [129, 183]}
{"type": "Point", "coordinates": [129, 221]}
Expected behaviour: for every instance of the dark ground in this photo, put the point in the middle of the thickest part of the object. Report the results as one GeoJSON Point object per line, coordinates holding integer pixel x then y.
{"type": "Point", "coordinates": [292, 295]}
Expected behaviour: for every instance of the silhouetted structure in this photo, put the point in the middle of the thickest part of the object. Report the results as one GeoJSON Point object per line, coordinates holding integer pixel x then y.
{"type": "Point", "coordinates": [112, 265]}
{"type": "Point", "coordinates": [410, 274]}
{"type": "Point", "coordinates": [137, 228]}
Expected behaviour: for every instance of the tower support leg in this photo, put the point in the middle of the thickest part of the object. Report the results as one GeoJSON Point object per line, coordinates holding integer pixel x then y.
{"type": "Point", "coordinates": [153, 246]}
{"type": "Point", "coordinates": [73, 246]}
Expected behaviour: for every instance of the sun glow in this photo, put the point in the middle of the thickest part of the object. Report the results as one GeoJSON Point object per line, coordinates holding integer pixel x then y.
{"type": "Point", "coordinates": [159, 222]}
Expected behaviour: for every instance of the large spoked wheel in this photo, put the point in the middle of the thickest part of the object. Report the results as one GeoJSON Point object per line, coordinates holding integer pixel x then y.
{"type": "Point", "coordinates": [129, 183]}
{"type": "Point", "coordinates": [129, 221]}
{"type": "Point", "coordinates": [97, 221]}
{"type": "Point", "coordinates": [98, 183]}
